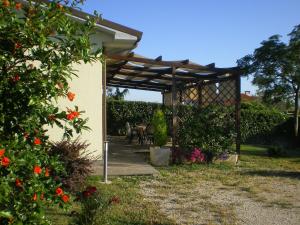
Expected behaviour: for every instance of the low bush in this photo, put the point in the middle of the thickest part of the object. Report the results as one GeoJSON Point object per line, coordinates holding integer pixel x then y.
{"type": "Point", "coordinates": [210, 129]}
{"type": "Point", "coordinates": [276, 151]}
{"type": "Point", "coordinates": [94, 205]}
{"type": "Point", "coordinates": [76, 161]}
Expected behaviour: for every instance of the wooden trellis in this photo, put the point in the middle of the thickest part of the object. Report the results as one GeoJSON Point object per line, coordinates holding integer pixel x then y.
{"type": "Point", "coordinates": [180, 82]}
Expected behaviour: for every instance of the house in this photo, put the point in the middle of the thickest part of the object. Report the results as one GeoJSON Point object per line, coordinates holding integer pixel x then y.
{"type": "Point", "coordinates": [90, 86]}
{"type": "Point", "coordinates": [123, 68]}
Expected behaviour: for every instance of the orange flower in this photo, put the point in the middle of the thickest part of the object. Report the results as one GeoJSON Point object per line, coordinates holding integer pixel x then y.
{"type": "Point", "coordinates": [37, 169]}
{"type": "Point", "coordinates": [59, 191]}
{"type": "Point", "coordinates": [18, 6]}
{"type": "Point", "coordinates": [47, 172]}
{"type": "Point", "coordinates": [65, 198]}
{"type": "Point", "coordinates": [5, 162]}
{"type": "Point", "coordinates": [71, 96]}
{"type": "Point", "coordinates": [18, 182]}
{"type": "Point", "coordinates": [37, 141]}
{"type": "Point", "coordinates": [34, 197]}
{"type": "Point", "coordinates": [72, 115]}
{"type": "Point", "coordinates": [2, 152]}
{"type": "Point", "coordinates": [5, 3]}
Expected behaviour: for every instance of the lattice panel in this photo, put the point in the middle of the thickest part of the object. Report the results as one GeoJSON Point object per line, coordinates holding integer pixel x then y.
{"type": "Point", "coordinates": [223, 93]}
{"type": "Point", "coordinates": [189, 96]}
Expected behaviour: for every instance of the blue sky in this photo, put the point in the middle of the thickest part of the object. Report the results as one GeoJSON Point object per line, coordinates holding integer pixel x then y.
{"type": "Point", "coordinates": [203, 31]}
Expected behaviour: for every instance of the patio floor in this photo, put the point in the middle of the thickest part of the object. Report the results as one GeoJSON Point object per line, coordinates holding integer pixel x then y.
{"type": "Point", "coordinates": [125, 159]}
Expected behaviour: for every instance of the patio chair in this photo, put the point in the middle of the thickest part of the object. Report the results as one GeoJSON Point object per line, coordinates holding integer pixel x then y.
{"type": "Point", "coordinates": [149, 132]}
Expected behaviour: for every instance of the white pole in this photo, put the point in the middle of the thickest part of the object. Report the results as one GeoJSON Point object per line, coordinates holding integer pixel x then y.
{"type": "Point", "coordinates": [105, 160]}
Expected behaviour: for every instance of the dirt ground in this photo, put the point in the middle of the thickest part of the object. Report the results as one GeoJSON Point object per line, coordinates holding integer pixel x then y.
{"type": "Point", "coordinates": [265, 193]}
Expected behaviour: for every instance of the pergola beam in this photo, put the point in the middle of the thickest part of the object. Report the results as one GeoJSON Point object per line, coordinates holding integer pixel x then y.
{"type": "Point", "coordinates": [135, 87]}
{"type": "Point", "coordinates": [176, 64]}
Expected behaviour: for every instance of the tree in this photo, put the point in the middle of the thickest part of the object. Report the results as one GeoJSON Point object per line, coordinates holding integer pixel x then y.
{"type": "Point", "coordinates": [39, 44]}
{"type": "Point", "coordinates": [275, 66]}
{"type": "Point", "coordinates": [117, 94]}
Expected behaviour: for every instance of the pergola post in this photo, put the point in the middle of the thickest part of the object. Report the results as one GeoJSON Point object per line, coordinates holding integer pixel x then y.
{"type": "Point", "coordinates": [174, 108]}
{"type": "Point", "coordinates": [238, 114]}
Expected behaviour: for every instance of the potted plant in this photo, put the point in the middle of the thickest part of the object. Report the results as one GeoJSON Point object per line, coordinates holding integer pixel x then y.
{"type": "Point", "coordinates": [159, 155]}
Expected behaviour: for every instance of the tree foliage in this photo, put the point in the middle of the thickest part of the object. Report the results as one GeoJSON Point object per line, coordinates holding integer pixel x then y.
{"type": "Point", "coordinates": [117, 93]}
{"type": "Point", "coordinates": [276, 69]}
{"type": "Point", "coordinates": [39, 44]}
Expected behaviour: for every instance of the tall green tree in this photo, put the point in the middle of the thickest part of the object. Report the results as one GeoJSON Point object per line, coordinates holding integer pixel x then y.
{"type": "Point", "coordinates": [275, 66]}
{"type": "Point", "coordinates": [117, 94]}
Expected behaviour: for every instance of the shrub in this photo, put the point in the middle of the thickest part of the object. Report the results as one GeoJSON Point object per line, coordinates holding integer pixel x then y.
{"type": "Point", "coordinates": [39, 44]}
{"type": "Point", "coordinates": [211, 129]}
{"type": "Point", "coordinates": [261, 124]}
{"type": "Point", "coordinates": [76, 161]}
{"type": "Point", "coordinates": [276, 151]}
{"type": "Point", "coordinates": [159, 124]}
{"type": "Point", "coordinates": [93, 203]}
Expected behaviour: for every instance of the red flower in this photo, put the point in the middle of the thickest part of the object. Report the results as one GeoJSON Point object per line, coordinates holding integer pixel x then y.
{"type": "Point", "coordinates": [5, 3]}
{"type": "Point", "coordinates": [34, 197]}
{"type": "Point", "coordinates": [37, 141]}
{"type": "Point", "coordinates": [18, 182]}
{"type": "Point", "coordinates": [16, 78]}
{"type": "Point", "coordinates": [18, 45]}
{"type": "Point", "coordinates": [18, 6]}
{"type": "Point", "coordinates": [65, 198]}
{"type": "Point", "coordinates": [59, 191]}
{"type": "Point", "coordinates": [2, 152]}
{"type": "Point", "coordinates": [86, 194]}
{"type": "Point", "coordinates": [71, 96]}
{"type": "Point", "coordinates": [37, 169]}
{"type": "Point", "coordinates": [91, 189]}
{"type": "Point", "coordinates": [47, 172]}
{"type": "Point", "coordinates": [5, 162]}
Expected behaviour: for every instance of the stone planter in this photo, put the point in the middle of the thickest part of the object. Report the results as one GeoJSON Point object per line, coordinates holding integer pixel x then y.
{"type": "Point", "coordinates": [160, 156]}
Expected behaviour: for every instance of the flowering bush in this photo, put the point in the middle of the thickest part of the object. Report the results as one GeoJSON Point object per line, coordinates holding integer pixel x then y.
{"type": "Point", "coordinates": [39, 44]}
{"type": "Point", "coordinates": [92, 202]}
{"type": "Point", "coordinates": [210, 128]}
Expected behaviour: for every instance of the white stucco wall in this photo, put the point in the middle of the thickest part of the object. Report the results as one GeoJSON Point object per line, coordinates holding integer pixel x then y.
{"type": "Point", "coordinates": [88, 89]}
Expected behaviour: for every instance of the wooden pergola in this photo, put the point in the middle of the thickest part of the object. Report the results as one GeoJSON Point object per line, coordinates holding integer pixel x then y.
{"type": "Point", "coordinates": [186, 82]}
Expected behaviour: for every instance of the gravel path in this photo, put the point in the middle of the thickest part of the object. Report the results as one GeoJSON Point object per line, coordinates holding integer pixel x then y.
{"type": "Point", "coordinates": [213, 203]}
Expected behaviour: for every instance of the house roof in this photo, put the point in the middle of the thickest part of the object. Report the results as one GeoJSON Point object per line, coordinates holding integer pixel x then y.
{"type": "Point", "coordinates": [102, 21]}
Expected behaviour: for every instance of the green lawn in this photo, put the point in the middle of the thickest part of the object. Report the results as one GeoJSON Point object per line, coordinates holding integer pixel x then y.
{"type": "Point", "coordinates": [255, 177]}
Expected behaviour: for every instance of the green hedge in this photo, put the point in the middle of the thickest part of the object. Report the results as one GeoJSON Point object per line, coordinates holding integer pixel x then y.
{"type": "Point", "coordinates": [259, 123]}
{"type": "Point", "coordinates": [120, 112]}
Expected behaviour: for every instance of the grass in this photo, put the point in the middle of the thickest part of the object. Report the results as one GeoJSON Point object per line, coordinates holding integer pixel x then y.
{"type": "Point", "coordinates": [256, 177]}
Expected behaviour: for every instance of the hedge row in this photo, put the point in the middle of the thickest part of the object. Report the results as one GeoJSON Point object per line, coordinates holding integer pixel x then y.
{"type": "Point", "coordinates": [259, 123]}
